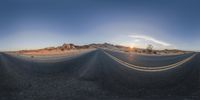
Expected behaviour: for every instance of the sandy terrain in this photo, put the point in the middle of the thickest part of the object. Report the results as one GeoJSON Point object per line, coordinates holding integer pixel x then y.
{"type": "Point", "coordinates": [161, 53]}
{"type": "Point", "coordinates": [51, 56]}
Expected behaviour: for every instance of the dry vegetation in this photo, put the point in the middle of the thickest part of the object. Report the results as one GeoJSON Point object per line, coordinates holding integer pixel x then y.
{"type": "Point", "coordinates": [68, 49]}
{"type": "Point", "coordinates": [64, 49]}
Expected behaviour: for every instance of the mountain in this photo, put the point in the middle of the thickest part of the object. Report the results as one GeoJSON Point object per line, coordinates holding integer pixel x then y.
{"type": "Point", "coordinates": [69, 47]}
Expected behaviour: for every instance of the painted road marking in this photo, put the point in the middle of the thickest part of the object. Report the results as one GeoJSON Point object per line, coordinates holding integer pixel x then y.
{"type": "Point", "coordinates": [150, 69]}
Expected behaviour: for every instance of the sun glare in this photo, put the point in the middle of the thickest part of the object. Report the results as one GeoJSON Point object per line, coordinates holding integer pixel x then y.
{"type": "Point", "coordinates": [131, 46]}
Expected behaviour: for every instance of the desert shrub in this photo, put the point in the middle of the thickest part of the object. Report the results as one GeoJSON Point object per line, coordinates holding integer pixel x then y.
{"type": "Point", "coordinates": [62, 49]}
{"type": "Point", "coordinates": [143, 51]}
{"type": "Point", "coordinates": [126, 50]}
{"type": "Point", "coordinates": [135, 50]}
{"type": "Point", "coordinates": [149, 49]}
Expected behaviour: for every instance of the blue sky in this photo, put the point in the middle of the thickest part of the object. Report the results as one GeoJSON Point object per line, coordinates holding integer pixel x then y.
{"type": "Point", "coordinates": [32, 24]}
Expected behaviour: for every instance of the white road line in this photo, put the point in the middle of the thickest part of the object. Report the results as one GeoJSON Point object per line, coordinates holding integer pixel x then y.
{"type": "Point", "coordinates": [150, 69]}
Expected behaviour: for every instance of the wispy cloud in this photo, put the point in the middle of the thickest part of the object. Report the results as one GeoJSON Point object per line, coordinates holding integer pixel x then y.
{"type": "Point", "coordinates": [148, 38]}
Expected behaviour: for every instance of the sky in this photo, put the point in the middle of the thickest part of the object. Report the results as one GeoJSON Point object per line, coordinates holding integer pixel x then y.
{"type": "Point", "coordinates": [165, 24]}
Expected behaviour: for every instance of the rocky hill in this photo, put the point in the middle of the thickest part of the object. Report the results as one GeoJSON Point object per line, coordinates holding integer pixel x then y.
{"type": "Point", "coordinates": [64, 48]}
{"type": "Point", "coordinates": [69, 47]}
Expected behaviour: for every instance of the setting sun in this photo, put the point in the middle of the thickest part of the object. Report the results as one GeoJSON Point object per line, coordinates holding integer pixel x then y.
{"type": "Point", "coordinates": [99, 49]}
{"type": "Point", "coordinates": [131, 46]}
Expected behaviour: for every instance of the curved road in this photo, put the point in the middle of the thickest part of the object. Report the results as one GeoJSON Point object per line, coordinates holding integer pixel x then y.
{"type": "Point", "coordinates": [96, 75]}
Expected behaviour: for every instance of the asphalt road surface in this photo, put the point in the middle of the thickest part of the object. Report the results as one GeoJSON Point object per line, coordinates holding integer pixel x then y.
{"type": "Point", "coordinates": [101, 74]}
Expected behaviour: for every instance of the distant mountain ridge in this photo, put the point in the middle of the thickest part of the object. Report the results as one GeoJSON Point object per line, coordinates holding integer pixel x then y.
{"type": "Point", "coordinates": [70, 46]}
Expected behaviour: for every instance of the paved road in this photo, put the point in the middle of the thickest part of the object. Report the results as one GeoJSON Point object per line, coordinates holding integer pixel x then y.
{"type": "Point", "coordinates": [155, 61]}
{"type": "Point", "coordinates": [95, 75]}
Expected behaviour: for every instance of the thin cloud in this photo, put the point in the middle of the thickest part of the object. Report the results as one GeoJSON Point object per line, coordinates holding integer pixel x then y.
{"type": "Point", "coordinates": [148, 38]}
